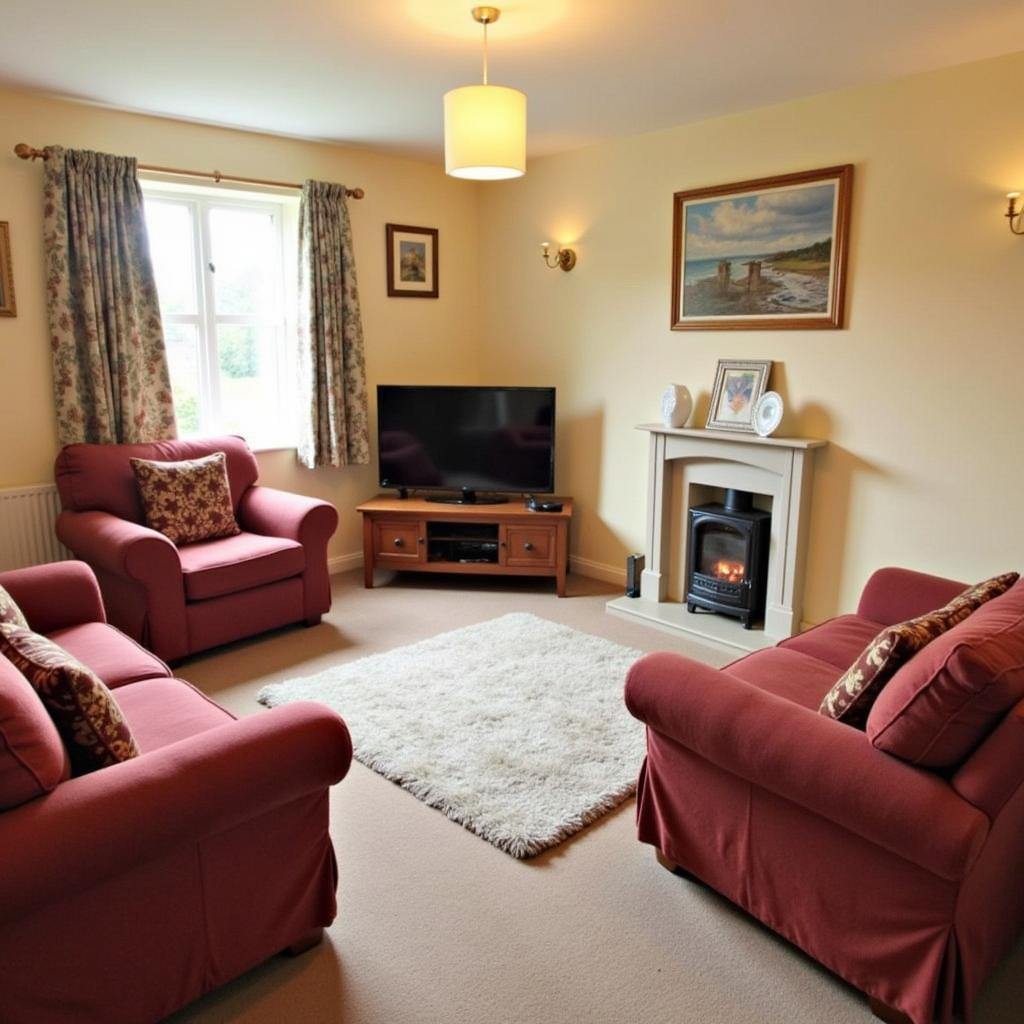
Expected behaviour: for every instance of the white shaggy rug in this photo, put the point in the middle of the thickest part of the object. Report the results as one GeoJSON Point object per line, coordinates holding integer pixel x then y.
{"type": "Point", "coordinates": [515, 728]}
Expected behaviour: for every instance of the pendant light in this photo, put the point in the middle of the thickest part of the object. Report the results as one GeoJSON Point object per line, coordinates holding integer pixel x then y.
{"type": "Point", "coordinates": [485, 125]}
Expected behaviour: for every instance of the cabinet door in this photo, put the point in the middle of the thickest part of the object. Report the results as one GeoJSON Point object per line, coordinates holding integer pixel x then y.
{"type": "Point", "coordinates": [398, 541]}
{"type": "Point", "coordinates": [531, 545]}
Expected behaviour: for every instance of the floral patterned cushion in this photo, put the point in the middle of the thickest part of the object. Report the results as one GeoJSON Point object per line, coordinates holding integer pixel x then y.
{"type": "Point", "coordinates": [83, 709]}
{"type": "Point", "coordinates": [9, 610]}
{"type": "Point", "coordinates": [187, 501]}
{"type": "Point", "coordinates": [851, 697]}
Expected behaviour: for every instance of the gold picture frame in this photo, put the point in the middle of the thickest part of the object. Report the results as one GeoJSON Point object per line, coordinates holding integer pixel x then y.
{"type": "Point", "coordinates": [739, 383]}
{"type": "Point", "coordinates": [768, 254]}
{"type": "Point", "coordinates": [7, 304]}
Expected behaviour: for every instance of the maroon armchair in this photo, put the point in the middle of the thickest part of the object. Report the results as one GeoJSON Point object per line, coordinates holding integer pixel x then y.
{"type": "Point", "coordinates": [178, 601]}
{"type": "Point", "coordinates": [128, 892]}
{"type": "Point", "coordinates": [904, 880]}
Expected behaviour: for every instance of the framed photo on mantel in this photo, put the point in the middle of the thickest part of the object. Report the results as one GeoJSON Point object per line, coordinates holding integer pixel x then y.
{"type": "Point", "coordinates": [412, 261]}
{"type": "Point", "coordinates": [766, 254]}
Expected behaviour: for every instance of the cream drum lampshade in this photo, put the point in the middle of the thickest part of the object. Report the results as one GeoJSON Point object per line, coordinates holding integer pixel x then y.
{"type": "Point", "coordinates": [485, 132]}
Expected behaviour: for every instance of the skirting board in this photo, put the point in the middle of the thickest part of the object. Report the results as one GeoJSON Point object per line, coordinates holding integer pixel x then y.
{"type": "Point", "coordinates": [583, 566]}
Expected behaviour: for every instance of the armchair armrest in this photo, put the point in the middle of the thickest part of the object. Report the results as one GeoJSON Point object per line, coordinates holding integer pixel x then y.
{"type": "Point", "coordinates": [296, 517]}
{"type": "Point", "coordinates": [824, 766]}
{"type": "Point", "coordinates": [119, 547]}
{"type": "Point", "coordinates": [96, 826]}
{"type": "Point", "coordinates": [894, 595]}
{"type": "Point", "coordinates": [309, 521]}
{"type": "Point", "coordinates": [56, 595]}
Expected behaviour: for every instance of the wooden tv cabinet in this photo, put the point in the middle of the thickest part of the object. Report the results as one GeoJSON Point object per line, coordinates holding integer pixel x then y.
{"type": "Point", "coordinates": [416, 535]}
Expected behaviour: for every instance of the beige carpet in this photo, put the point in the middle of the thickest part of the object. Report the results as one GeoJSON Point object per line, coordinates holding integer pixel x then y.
{"type": "Point", "coordinates": [437, 927]}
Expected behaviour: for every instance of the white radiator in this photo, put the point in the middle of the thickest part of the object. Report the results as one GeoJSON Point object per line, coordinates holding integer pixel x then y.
{"type": "Point", "coordinates": [27, 519]}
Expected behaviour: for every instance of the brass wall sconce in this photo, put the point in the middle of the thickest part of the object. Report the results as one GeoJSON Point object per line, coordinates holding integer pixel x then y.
{"type": "Point", "coordinates": [566, 258]}
{"type": "Point", "coordinates": [1013, 215]}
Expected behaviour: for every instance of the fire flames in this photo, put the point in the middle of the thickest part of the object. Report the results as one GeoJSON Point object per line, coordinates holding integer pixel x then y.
{"type": "Point", "coordinates": [733, 572]}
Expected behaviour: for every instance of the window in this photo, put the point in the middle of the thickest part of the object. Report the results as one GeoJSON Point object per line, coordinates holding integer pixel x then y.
{"type": "Point", "coordinates": [225, 265]}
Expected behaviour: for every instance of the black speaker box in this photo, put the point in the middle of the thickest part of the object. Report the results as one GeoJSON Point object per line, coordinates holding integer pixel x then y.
{"type": "Point", "coordinates": [634, 567]}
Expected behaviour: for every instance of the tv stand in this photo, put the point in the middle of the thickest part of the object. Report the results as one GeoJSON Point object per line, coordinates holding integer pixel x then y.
{"type": "Point", "coordinates": [416, 535]}
{"type": "Point", "coordinates": [468, 497]}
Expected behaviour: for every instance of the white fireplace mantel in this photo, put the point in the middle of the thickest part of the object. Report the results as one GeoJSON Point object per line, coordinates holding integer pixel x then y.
{"type": "Point", "coordinates": [777, 468]}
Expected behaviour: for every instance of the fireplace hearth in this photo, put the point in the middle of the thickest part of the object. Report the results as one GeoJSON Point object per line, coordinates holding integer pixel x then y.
{"type": "Point", "coordinates": [727, 558]}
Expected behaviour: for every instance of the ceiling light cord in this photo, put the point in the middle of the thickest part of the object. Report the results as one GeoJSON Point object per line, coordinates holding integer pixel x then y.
{"type": "Point", "coordinates": [485, 53]}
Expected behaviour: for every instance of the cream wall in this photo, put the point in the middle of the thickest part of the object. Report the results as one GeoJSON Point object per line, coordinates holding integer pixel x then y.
{"type": "Point", "coordinates": [919, 395]}
{"type": "Point", "coordinates": [407, 340]}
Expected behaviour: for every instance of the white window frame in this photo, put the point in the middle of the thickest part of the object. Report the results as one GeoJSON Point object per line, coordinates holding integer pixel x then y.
{"type": "Point", "coordinates": [201, 200]}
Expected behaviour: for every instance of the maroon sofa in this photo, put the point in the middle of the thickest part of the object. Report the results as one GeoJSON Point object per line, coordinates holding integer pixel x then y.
{"type": "Point", "coordinates": [178, 601]}
{"type": "Point", "coordinates": [906, 881]}
{"type": "Point", "coordinates": [129, 892]}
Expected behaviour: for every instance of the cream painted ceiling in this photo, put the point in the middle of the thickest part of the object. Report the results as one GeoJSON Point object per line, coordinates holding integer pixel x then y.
{"type": "Point", "coordinates": [372, 73]}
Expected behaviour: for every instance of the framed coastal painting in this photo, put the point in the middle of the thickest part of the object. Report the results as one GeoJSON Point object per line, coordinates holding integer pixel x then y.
{"type": "Point", "coordinates": [7, 307]}
{"type": "Point", "coordinates": [739, 383]}
{"type": "Point", "coordinates": [412, 261]}
{"type": "Point", "coordinates": [767, 254]}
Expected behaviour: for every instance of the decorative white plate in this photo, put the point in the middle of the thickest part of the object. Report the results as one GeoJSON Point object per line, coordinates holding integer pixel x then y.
{"type": "Point", "coordinates": [768, 413]}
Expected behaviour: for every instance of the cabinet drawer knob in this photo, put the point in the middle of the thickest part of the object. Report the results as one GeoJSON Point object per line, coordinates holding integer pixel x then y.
{"type": "Point", "coordinates": [420, 540]}
{"type": "Point", "coordinates": [398, 542]}
{"type": "Point", "coordinates": [528, 546]}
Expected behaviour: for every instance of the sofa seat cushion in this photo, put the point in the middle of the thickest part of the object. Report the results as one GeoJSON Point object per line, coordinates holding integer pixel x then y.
{"type": "Point", "coordinates": [227, 565]}
{"type": "Point", "coordinates": [790, 674]}
{"type": "Point", "coordinates": [951, 695]}
{"type": "Point", "coordinates": [838, 641]}
{"type": "Point", "coordinates": [114, 657]}
{"type": "Point", "coordinates": [163, 711]}
{"type": "Point", "coordinates": [33, 760]}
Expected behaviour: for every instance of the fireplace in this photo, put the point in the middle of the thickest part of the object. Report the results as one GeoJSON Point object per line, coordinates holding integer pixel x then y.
{"type": "Point", "coordinates": [727, 558]}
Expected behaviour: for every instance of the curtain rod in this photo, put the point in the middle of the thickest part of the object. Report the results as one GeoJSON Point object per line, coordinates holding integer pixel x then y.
{"type": "Point", "coordinates": [26, 152]}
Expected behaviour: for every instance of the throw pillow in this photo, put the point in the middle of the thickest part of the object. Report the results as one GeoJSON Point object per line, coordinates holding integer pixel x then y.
{"type": "Point", "coordinates": [938, 708]}
{"type": "Point", "coordinates": [9, 610]}
{"type": "Point", "coordinates": [853, 694]}
{"type": "Point", "coordinates": [83, 709]}
{"type": "Point", "coordinates": [187, 501]}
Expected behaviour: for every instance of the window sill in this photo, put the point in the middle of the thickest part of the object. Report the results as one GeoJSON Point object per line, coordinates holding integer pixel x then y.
{"type": "Point", "coordinates": [260, 449]}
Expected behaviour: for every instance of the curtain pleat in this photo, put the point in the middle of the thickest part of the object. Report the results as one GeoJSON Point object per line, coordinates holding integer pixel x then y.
{"type": "Point", "coordinates": [332, 365]}
{"type": "Point", "coordinates": [110, 374]}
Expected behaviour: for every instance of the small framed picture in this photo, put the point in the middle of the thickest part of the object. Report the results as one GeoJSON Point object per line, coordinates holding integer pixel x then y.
{"type": "Point", "coordinates": [412, 261]}
{"type": "Point", "coordinates": [7, 307]}
{"type": "Point", "coordinates": [739, 384]}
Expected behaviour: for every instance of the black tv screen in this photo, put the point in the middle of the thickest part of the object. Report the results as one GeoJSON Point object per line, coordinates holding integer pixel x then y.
{"type": "Point", "coordinates": [467, 438]}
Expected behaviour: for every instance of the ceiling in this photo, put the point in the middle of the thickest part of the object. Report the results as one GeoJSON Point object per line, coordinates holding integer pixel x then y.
{"type": "Point", "coordinates": [372, 73]}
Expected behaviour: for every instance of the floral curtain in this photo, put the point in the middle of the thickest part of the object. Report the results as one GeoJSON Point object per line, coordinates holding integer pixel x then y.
{"type": "Point", "coordinates": [335, 431]}
{"type": "Point", "coordinates": [110, 376]}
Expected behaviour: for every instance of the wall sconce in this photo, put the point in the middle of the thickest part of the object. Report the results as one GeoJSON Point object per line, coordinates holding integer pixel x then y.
{"type": "Point", "coordinates": [566, 258]}
{"type": "Point", "coordinates": [1013, 215]}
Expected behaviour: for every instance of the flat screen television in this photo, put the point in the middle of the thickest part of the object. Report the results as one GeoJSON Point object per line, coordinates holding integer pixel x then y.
{"type": "Point", "coordinates": [467, 439]}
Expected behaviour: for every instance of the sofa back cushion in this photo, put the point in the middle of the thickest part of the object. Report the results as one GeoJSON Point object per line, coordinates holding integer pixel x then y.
{"type": "Point", "coordinates": [951, 695]}
{"type": "Point", "coordinates": [99, 477]}
{"type": "Point", "coordinates": [82, 708]}
{"type": "Point", "coordinates": [851, 698]}
{"type": "Point", "coordinates": [33, 759]}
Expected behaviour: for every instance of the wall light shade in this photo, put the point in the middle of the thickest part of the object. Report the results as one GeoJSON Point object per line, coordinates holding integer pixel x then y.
{"type": "Point", "coordinates": [485, 132]}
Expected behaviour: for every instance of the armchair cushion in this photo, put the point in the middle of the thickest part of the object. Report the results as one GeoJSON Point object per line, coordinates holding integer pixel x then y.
{"type": "Point", "coordinates": [9, 610]}
{"type": "Point", "coordinates": [114, 657]}
{"type": "Point", "coordinates": [787, 673]}
{"type": "Point", "coordinates": [838, 641]}
{"type": "Point", "coordinates": [81, 706]}
{"type": "Point", "coordinates": [230, 564]}
{"type": "Point", "coordinates": [187, 501]}
{"type": "Point", "coordinates": [941, 705]}
{"type": "Point", "coordinates": [32, 757]}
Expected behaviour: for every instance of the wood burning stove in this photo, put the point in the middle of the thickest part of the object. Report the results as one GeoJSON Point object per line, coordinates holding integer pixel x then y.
{"type": "Point", "coordinates": [727, 558]}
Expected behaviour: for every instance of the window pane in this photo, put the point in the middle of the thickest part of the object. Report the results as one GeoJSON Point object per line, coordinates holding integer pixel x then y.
{"type": "Point", "coordinates": [249, 401]}
{"type": "Point", "coordinates": [172, 246]}
{"type": "Point", "coordinates": [183, 357]}
{"type": "Point", "coordinates": [247, 272]}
